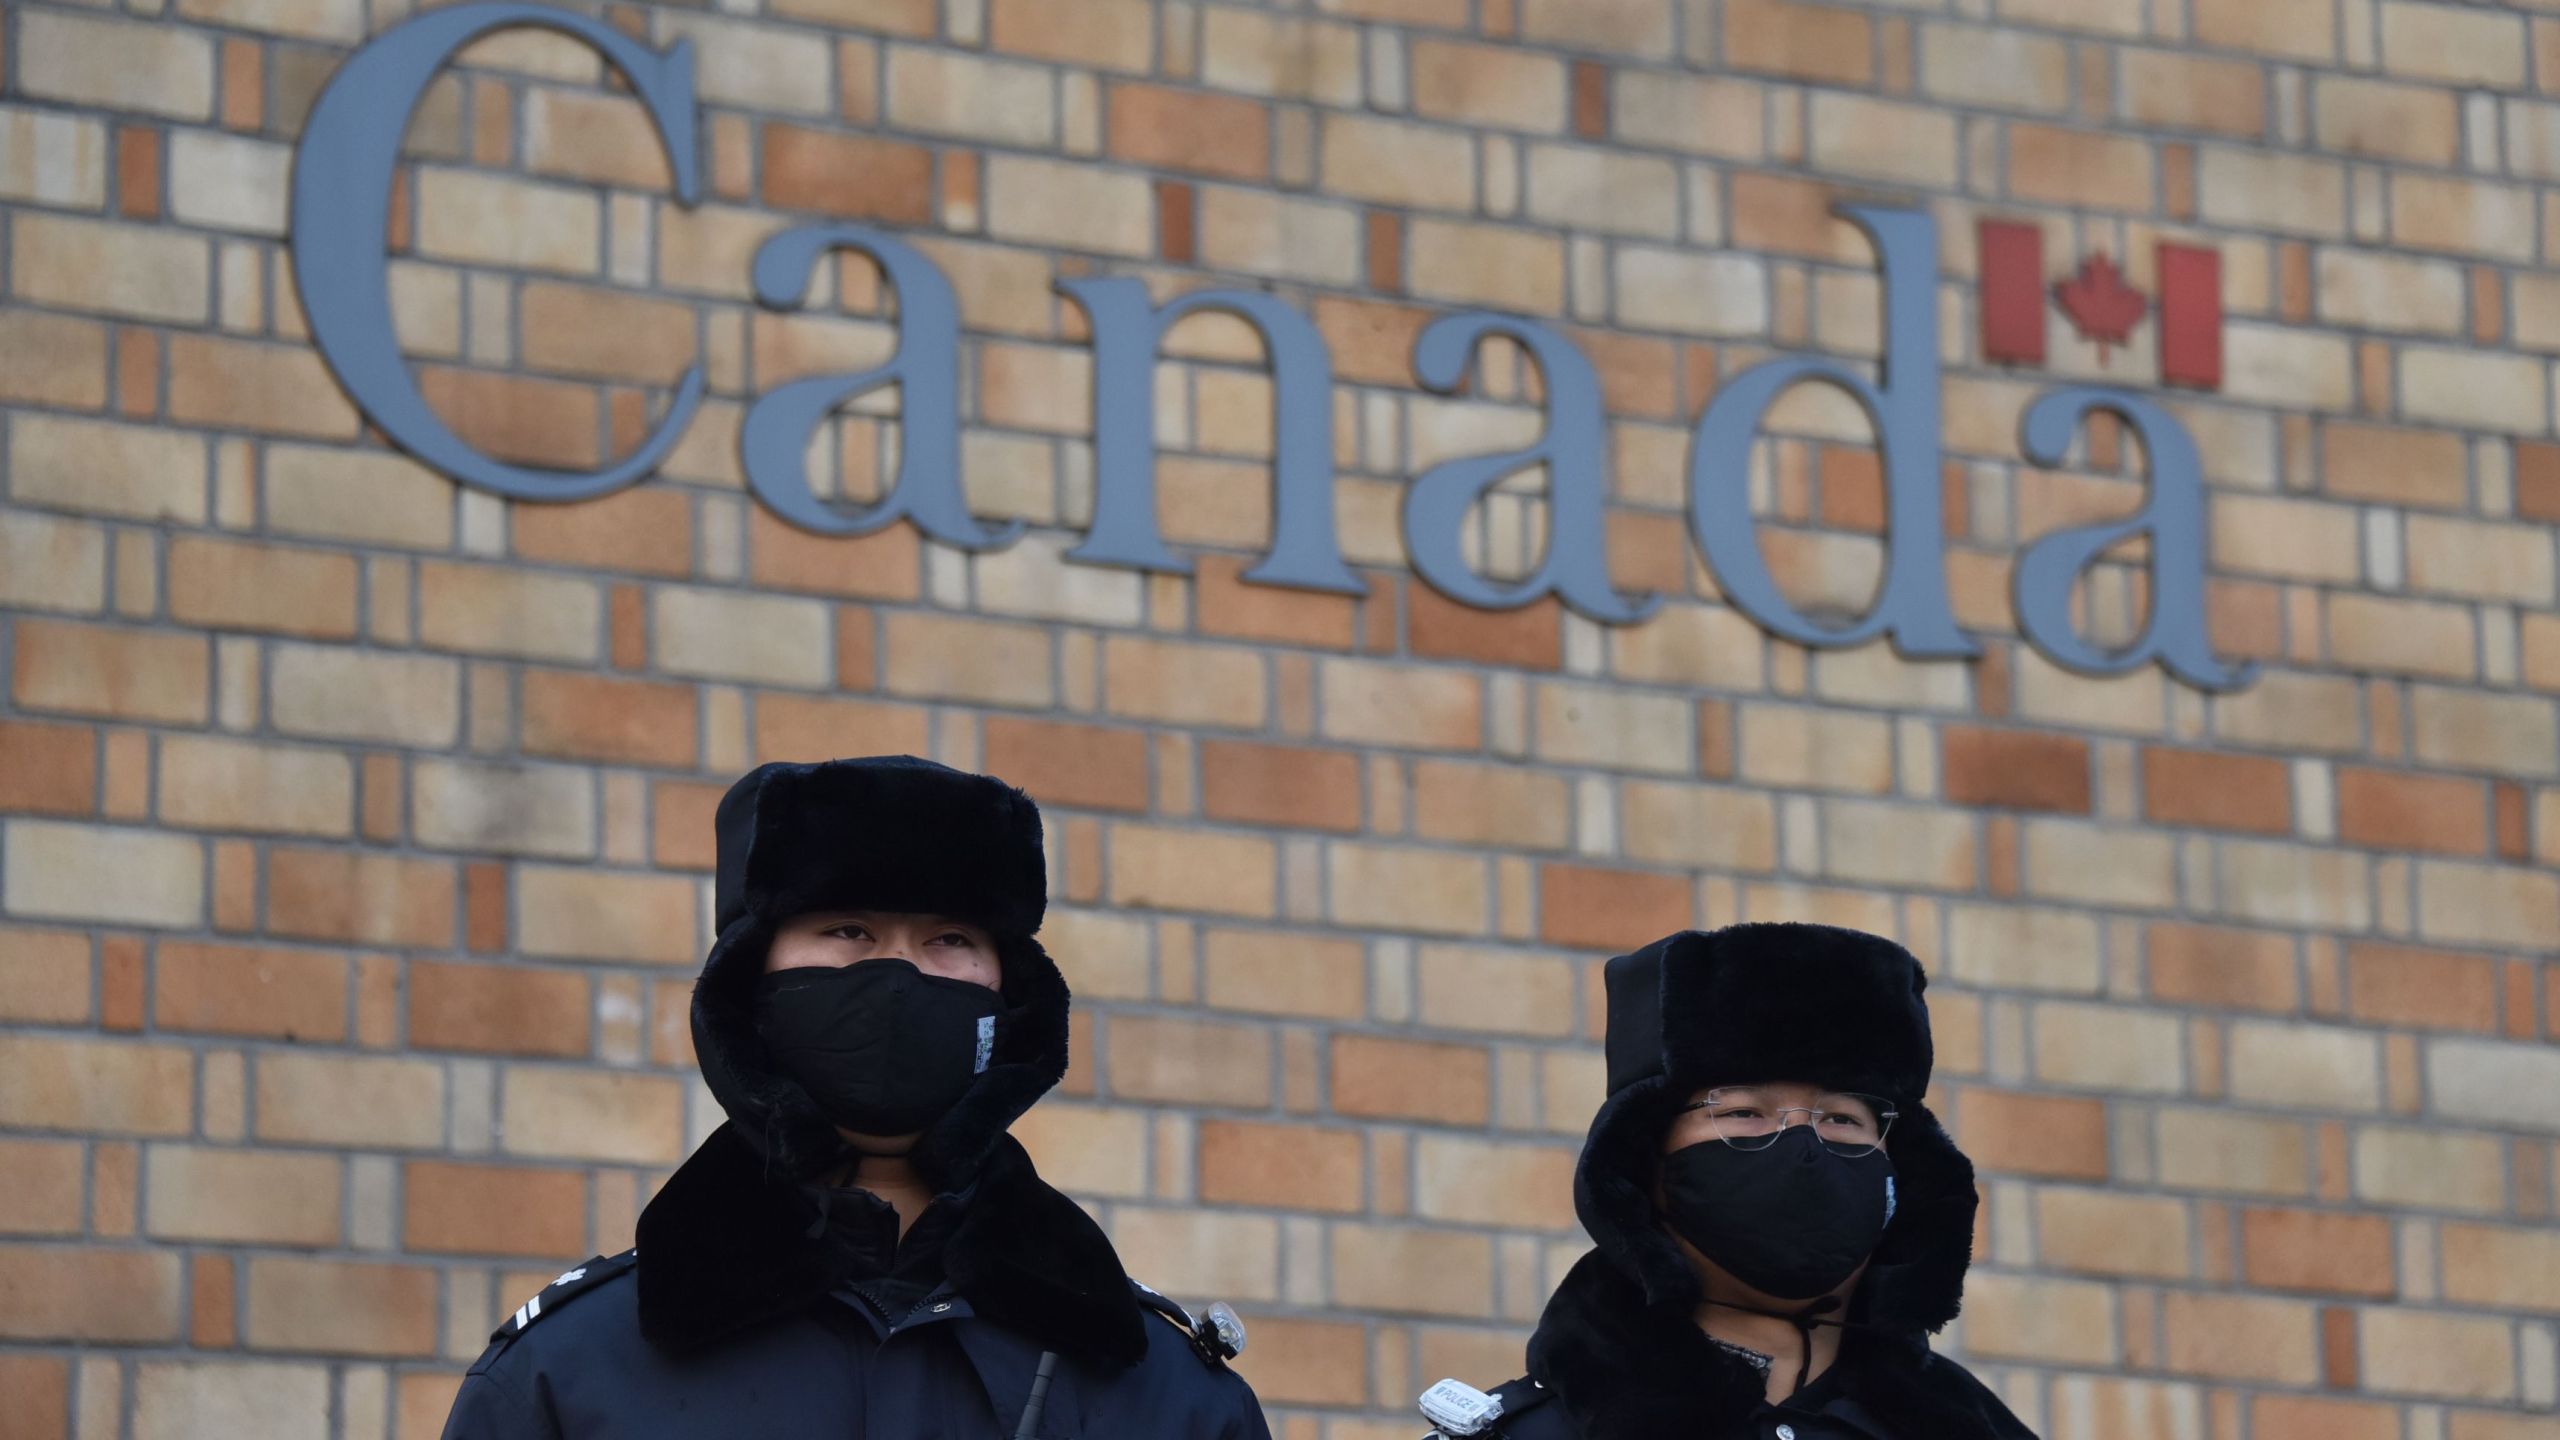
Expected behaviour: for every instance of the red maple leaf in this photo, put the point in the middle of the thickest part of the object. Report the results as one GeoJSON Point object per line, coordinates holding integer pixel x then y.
{"type": "Point", "coordinates": [2100, 304]}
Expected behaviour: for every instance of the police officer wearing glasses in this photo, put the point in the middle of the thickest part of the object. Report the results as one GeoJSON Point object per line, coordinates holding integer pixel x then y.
{"type": "Point", "coordinates": [1780, 1222]}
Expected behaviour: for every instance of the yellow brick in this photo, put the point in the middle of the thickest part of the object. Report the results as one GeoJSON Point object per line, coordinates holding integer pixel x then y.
{"type": "Point", "coordinates": [1073, 206]}
{"type": "Point", "coordinates": [1395, 163]}
{"type": "Point", "coordinates": [1168, 869]}
{"type": "Point", "coordinates": [52, 159]}
{"type": "Point", "coordinates": [1378, 887]}
{"type": "Point", "coordinates": [126, 65]}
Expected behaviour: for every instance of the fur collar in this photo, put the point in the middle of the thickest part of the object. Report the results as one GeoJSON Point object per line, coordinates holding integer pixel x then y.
{"type": "Point", "coordinates": [1622, 1370]}
{"type": "Point", "coordinates": [722, 1249]}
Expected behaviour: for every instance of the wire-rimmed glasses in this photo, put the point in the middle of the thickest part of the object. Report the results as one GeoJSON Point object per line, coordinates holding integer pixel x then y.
{"type": "Point", "coordinates": [1749, 1118]}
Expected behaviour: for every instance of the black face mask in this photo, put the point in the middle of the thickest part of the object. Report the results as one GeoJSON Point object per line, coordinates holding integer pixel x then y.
{"type": "Point", "coordinates": [884, 1048]}
{"type": "Point", "coordinates": [1792, 1220]}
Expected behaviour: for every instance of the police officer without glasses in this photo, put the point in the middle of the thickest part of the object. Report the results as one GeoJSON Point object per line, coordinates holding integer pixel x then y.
{"type": "Point", "coordinates": [1779, 1222]}
{"type": "Point", "coordinates": [862, 1251]}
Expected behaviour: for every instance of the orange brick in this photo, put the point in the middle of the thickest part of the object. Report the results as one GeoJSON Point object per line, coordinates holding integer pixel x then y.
{"type": "Point", "coordinates": [47, 769]}
{"type": "Point", "coordinates": [2317, 1250]}
{"type": "Point", "coordinates": [511, 417]}
{"type": "Point", "coordinates": [1308, 1362]}
{"type": "Point", "coordinates": [1529, 638]}
{"type": "Point", "coordinates": [213, 1291]}
{"type": "Point", "coordinates": [1790, 216]}
{"type": "Point", "coordinates": [2236, 969]}
{"type": "Point", "coordinates": [2014, 769]}
{"type": "Point", "coordinates": [847, 175]}
{"type": "Point", "coordinates": [138, 172]}
{"type": "Point", "coordinates": [1852, 487]}
{"type": "Point", "coordinates": [1590, 99]}
{"type": "Point", "coordinates": [454, 1209]}
{"type": "Point", "coordinates": [484, 905]}
{"type": "Point", "coordinates": [1637, 377]}
{"type": "Point", "coordinates": [1087, 767]}
{"type": "Point", "coordinates": [366, 899]}
{"type": "Point", "coordinates": [2047, 1135]}
{"type": "Point", "coordinates": [883, 565]}
{"type": "Point", "coordinates": [289, 589]}
{"type": "Point", "coordinates": [682, 811]}
{"type": "Point", "coordinates": [583, 716]}
{"type": "Point", "coordinates": [2514, 826]}
{"type": "Point", "coordinates": [498, 1009]}
{"type": "Point", "coordinates": [1590, 908]}
{"type": "Point", "coordinates": [1103, 34]}
{"type": "Point", "coordinates": [2537, 480]}
{"type": "Point", "coordinates": [126, 675]}
{"type": "Point", "coordinates": [72, 1294]}
{"type": "Point", "coordinates": [629, 625]}
{"type": "Point", "coordinates": [2418, 467]}
{"type": "Point", "coordinates": [1224, 604]}
{"type": "Point", "coordinates": [1172, 129]}
{"type": "Point", "coordinates": [2425, 989]}
{"type": "Point", "coordinates": [44, 1193]}
{"type": "Point", "coordinates": [1177, 221]}
{"type": "Point", "coordinates": [647, 528]}
{"type": "Point", "coordinates": [1371, 341]}
{"type": "Point", "coordinates": [2079, 168]}
{"type": "Point", "coordinates": [1301, 789]}
{"type": "Point", "coordinates": [2307, 1417]}
{"type": "Point", "coordinates": [603, 334]}
{"type": "Point", "coordinates": [2391, 810]}
{"type": "Point", "coordinates": [1378, 1078]}
{"type": "Point", "coordinates": [338, 1308]}
{"type": "Point", "coordinates": [120, 982]}
{"type": "Point", "coordinates": [239, 990]}
{"type": "Point", "coordinates": [1801, 42]}
{"type": "Point", "coordinates": [39, 1391]}
{"type": "Point", "coordinates": [1288, 1167]}
{"type": "Point", "coordinates": [2224, 792]}
{"type": "Point", "coordinates": [808, 727]}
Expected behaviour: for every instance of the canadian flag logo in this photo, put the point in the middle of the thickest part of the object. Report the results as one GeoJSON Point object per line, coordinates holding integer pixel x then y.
{"type": "Point", "coordinates": [2101, 304]}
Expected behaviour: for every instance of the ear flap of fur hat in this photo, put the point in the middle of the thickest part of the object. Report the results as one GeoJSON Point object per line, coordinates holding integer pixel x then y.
{"type": "Point", "coordinates": [890, 833]}
{"type": "Point", "coordinates": [1839, 1008]}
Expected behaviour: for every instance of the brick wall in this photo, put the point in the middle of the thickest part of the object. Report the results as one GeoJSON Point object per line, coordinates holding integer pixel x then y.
{"type": "Point", "coordinates": [357, 841]}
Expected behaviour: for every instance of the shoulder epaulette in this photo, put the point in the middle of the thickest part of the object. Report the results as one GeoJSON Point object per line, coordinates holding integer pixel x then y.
{"type": "Point", "coordinates": [1216, 1336]}
{"type": "Point", "coordinates": [573, 1282]}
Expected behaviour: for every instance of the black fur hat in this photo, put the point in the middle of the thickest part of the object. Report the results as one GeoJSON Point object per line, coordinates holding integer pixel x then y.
{"type": "Point", "coordinates": [877, 833]}
{"type": "Point", "coordinates": [1836, 1007]}
{"type": "Point", "coordinates": [886, 832]}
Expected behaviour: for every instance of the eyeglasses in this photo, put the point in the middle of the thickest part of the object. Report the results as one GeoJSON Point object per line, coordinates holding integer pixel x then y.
{"type": "Point", "coordinates": [1846, 1123]}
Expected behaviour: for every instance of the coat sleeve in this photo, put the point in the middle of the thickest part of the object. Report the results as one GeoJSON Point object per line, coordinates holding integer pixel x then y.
{"type": "Point", "coordinates": [489, 1408]}
{"type": "Point", "coordinates": [1244, 1418]}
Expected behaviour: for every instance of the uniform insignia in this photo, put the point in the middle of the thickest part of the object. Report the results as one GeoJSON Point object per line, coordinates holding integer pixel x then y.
{"type": "Point", "coordinates": [571, 1284]}
{"type": "Point", "coordinates": [1459, 1411]}
{"type": "Point", "coordinates": [1216, 1336]}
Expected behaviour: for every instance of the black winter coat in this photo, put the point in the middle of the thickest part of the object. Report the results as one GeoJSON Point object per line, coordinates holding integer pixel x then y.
{"type": "Point", "coordinates": [724, 1324]}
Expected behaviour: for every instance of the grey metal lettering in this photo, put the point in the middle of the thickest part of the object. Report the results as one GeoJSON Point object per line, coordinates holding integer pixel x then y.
{"type": "Point", "coordinates": [342, 176]}
{"type": "Point", "coordinates": [1128, 330]}
{"type": "Point", "coordinates": [2172, 519]}
{"type": "Point", "coordinates": [1911, 606]}
{"type": "Point", "coordinates": [773, 441]}
{"type": "Point", "coordinates": [1574, 448]}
